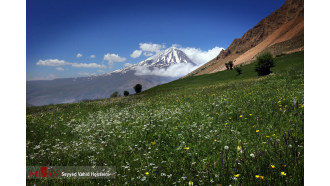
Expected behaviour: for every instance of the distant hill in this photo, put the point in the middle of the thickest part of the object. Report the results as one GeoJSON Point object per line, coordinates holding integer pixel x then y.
{"type": "Point", "coordinates": [149, 73]}
{"type": "Point", "coordinates": [29, 105]}
{"type": "Point", "coordinates": [281, 32]}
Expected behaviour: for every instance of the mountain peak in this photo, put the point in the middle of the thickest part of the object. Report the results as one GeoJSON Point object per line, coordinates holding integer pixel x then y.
{"type": "Point", "coordinates": [172, 55]}
{"type": "Point", "coordinates": [168, 57]}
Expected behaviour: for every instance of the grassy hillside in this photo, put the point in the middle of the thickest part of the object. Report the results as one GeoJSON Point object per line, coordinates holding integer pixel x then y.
{"type": "Point", "coordinates": [292, 63]}
{"type": "Point", "coordinates": [212, 129]}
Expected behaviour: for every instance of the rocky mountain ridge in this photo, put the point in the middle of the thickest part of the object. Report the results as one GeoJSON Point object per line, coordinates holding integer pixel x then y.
{"type": "Point", "coordinates": [280, 32]}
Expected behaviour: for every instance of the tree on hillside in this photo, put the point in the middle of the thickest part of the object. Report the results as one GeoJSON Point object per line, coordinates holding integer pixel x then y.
{"type": "Point", "coordinates": [238, 70]}
{"type": "Point", "coordinates": [230, 63]}
{"type": "Point", "coordinates": [115, 94]}
{"type": "Point", "coordinates": [126, 93]}
{"type": "Point", "coordinates": [138, 88]}
{"type": "Point", "coordinates": [227, 66]}
{"type": "Point", "coordinates": [265, 61]}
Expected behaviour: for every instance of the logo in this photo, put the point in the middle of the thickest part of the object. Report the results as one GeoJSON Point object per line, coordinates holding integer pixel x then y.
{"type": "Point", "coordinates": [43, 173]}
{"type": "Point", "coordinates": [65, 172]}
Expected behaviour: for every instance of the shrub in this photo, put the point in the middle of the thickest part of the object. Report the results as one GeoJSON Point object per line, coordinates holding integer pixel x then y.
{"type": "Point", "coordinates": [115, 94]}
{"type": "Point", "coordinates": [265, 61]}
{"type": "Point", "coordinates": [138, 88]}
{"type": "Point", "coordinates": [238, 70]}
{"type": "Point", "coordinates": [126, 93]}
{"type": "Point", "coordinates": [227, 66]}
{"type": "Point", "coordinates": [230, 63]}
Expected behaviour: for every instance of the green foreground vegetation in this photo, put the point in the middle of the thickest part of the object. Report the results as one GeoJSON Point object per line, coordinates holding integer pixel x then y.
{"type": "Point", "coordinates": [219, 128]}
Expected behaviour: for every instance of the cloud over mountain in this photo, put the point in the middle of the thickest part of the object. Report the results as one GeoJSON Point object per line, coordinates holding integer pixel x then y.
{"type": "Point", "coordinates": [112, 58]}
{"type": "Point", "coordinates": [151, 47]}
{"type": "Point", "coordinates": [175, 70]}
{"type": "Point", "coordinates": [199, 56]}
{"type": "Point", "coordinates": [136, 53]}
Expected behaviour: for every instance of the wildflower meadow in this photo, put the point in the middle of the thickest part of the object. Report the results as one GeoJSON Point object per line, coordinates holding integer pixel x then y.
{"type": "Point", "coordinates": [220, 128]}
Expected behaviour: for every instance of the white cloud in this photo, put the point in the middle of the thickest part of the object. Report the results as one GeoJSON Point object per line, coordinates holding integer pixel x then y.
{"type": "Point", "coordinates": [136, 53]}
{"type": "Point", "coordinates": [87, 65]}
{"type": "Point", "coordinates": [79, 55]}
{"type": "Point", "coordinates": [148, 54]}
{"type": "Point", "coordinates": [52, 62]}
{"type": "Point", "coordinates": [92, 56]}
{"type": "Point", "coordinates": [59, 69]}
{"type": "Point", "coordinates": [176, 70]}
{"type": "Point", "coordinates": [151, 47]}
{"type": "Point", "coordinates": [127, 64]}
{"type": "Point", "coordinates": [56, 62]}
{"type": "Point", "coordinates": [112, 58]}
{"type": "Point", "coordinates": [176, 46]}
{"type": "Point", "coordinates": [102, 71]}
{"type": "Point", "coordinates": [199, 56]}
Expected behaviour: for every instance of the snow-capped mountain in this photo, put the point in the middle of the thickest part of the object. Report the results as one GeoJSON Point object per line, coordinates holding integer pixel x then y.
{"type": "Point", "coordinates": [170, 56]}
{"type": "Point", "coordinates": [151, 70]}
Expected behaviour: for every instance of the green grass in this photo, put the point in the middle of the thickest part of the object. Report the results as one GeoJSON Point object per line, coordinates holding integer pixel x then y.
{"type": "Point", "coordinates": [283, 65]}
{"type": "Point", "coordinates": [259, 119]}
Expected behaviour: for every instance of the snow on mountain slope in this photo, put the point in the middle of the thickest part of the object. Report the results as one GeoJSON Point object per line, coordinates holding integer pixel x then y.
{"type": "Point", "coordinates": [169, 57]}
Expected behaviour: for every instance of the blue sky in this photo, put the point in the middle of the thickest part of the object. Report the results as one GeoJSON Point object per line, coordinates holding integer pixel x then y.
{"type": "Point", "coordinates": [57, 31]}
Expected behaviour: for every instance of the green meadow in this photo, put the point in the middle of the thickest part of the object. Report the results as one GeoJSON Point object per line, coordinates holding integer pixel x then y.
{"type": "Point", "coordinates": [219, 128]}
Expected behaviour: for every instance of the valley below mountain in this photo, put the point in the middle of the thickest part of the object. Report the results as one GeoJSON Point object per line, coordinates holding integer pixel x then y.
{"type": "Point", "coordinates": [158, 69]}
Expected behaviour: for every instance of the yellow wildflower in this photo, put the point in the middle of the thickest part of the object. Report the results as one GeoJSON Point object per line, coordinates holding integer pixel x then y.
{"type": "Point", "coordinates": [257, 131]}
{"type": "Point", "coordinates": [284, 165]}
{"type": "Point", "coordinates": [267, 136]}
{"type": "Point", "coordinates": [257, 176]}
{"type": "Point", "coordinates": [186, 148]}
{"type": "Point", "coordinates": [215, 140]}
{"type": "Point", "coordinates": [147, 173]}
{"type": "Point", "coordinates": [191, 183]}
{"type": "Point", "coordinates": [262, 177]}
{"type": "Point", "coordinates": [239, 148]}
{"type": "Point", "coordinates": [241, 116]}
{"type": "Point", "coordinates": [236, 175]}
{"type": "Point", "coordinates": [283, 173]}
{"type": "Point", "coordinates": [153, 143]}
{"type": "Point", "coordinates": [273, 166]}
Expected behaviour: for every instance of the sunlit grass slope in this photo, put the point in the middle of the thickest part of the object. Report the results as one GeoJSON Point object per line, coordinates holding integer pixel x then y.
{"type": "Point", "coordinates": [212, 129]}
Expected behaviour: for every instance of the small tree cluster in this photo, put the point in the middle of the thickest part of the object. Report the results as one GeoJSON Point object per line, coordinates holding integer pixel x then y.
{"type": "Point", "coordinates": [265, 61]}
{"type": "Point", "coordinates": [126, 93]}
{"type": "Point", "coordinates": [115, 94]}
{"type": "Point", "coordinates": [229, 65]}
{"type": "Point", "coordinates": [138, 88]}
{"type": "Point", "coordinates": [238, 70]}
